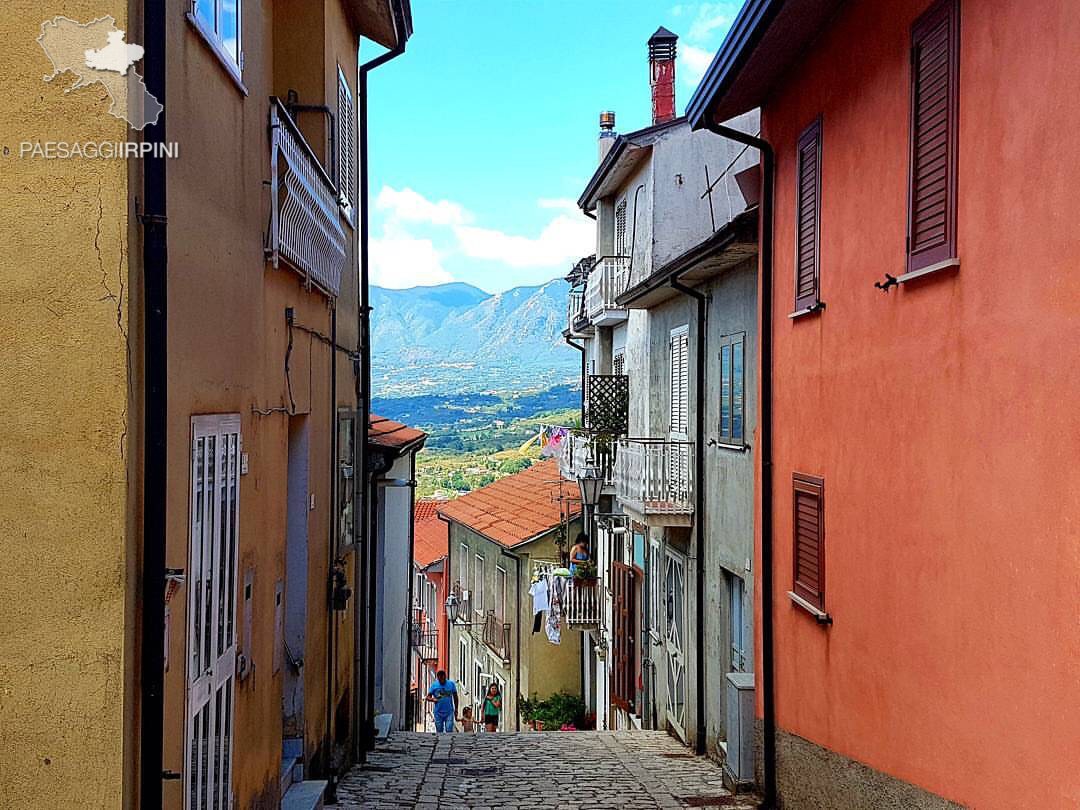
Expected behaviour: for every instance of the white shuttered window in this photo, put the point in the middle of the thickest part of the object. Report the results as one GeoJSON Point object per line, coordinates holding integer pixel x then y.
{"type": "Point", "coordinates": [680, 386]}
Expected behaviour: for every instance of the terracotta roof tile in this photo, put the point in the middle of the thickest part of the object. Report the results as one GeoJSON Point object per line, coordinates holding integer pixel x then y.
{"type": "Point", "coordinates": [394, 435]}
{"type": "Point", "coordinates": [517, 508]}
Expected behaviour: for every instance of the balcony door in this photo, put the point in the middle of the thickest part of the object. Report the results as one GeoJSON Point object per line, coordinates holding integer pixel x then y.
{"type": "Point", "coordinates": [211, 660]}
{"type": "Point", "coordinates": [675, 640]}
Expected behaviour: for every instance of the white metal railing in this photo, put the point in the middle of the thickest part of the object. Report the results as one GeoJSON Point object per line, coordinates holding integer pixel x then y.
{"type": "Point", "coordinates": [606, 282]}
{"type": "Point", "coordinates": [575, 307]}
{"type": "Point", "coordinates": [655, 476]}
{"type": "Point", "coordinates": [305, 225]}
{"type": "Point", "coordinates": [575, 450]}
{"type": "Point", "coordinates": [582, 602]}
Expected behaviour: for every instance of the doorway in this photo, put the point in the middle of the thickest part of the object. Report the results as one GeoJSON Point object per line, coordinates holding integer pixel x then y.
{"type": "Point", "coordinates": [675, 640]}
{"type": "Point", "coordinates": [296, 578]}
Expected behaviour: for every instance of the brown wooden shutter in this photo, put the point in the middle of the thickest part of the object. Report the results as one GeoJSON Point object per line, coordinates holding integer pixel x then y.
{"type": "Point", "coordinates": [935, 70]}
{"type": "Point", "coordinates": [623, 682]}
{"type": "Point", "coordinates": [808, 218]}
{"type": "Point", "coordinates": [809, 551]}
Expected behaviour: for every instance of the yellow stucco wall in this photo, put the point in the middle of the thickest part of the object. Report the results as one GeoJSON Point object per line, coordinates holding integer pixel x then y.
{"type": "Point", "coordinates": [65, 567]}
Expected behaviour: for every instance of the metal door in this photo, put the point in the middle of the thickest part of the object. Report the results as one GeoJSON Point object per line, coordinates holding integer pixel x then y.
{"type": "Point", "coordinates": [211, 660]}
{"type": "Point", "coordinates": [675, 596]}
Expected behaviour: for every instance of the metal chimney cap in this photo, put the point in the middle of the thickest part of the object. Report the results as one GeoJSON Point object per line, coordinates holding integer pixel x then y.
{"type": "Point", "coordinates": [607, 119]}
{"type": "Point", "coordinates": [662, 45]}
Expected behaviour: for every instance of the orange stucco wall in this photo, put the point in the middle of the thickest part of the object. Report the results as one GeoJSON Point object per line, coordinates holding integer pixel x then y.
{"type": "Point", "coordinates": [943, 416]}
{"type": "Point", "coordinates": [227, 346]}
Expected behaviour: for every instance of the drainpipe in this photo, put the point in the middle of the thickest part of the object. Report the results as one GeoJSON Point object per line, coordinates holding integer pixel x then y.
{"type": "Point", "coordinates": [362, 662]}
{"type": "Point", "coordinates": [768, 695]}
{"type": "Point", "coordinates": [331, 670]}
{"type": "Point", "coordinates": [581, 349]}
{"type": "Point", "coordinates": [155, 415]}
{"type": "Point", "coordinates": [699, 503]}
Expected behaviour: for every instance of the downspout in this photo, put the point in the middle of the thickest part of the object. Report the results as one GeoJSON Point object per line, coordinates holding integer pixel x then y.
{"type": "Point", "coordinates": [699, 504]}
{"type": "Point", "coordinates": [155, 416]}
{"type": "Point", "coordinates": [362, 663]}
{"type": "Point", "coordinates": [331, 671]}
{"type": "Point", "coordinates": [768, 695]}
{"type": "Point", "coordinates": [581, 349]}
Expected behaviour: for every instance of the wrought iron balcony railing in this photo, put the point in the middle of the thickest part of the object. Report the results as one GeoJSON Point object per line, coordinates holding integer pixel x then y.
{"type": "Point", "coordinates": [497, 636]}
{"type": "Point", "coordinates": [425, 640]}
{"type": "Point", "coordinates": [305, 225]}
{"type": "Point", "coordinates": [576, 320]}
{"type": "Point", "coordinates": [655, 476]}
{"type": "Point", "coordinates": [607, 280]}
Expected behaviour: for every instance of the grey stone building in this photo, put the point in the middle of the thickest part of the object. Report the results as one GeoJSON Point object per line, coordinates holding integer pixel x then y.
{"type": "Point", "coordinates": [669, 305]}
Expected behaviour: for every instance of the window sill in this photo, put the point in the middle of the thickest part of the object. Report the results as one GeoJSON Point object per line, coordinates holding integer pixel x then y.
{"type": "Point", "coordinates": [937, 267]}
{"type": "Point", "coordinates": [813, 309]}
{"type": "Point", "coordinates": [820, 615]}
{"type": "Point", "coordinates": [741, 447]}
{"type": "Point", "coordinates": [214, 44]}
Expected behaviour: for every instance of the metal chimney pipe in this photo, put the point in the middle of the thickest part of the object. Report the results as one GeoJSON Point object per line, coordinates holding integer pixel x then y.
{"type": "Point", "coordinates": [606, 139]}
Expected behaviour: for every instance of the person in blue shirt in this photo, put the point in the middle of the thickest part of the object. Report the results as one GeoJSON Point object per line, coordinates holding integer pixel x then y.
{"type": "Point", "coordinates": [444, 695]}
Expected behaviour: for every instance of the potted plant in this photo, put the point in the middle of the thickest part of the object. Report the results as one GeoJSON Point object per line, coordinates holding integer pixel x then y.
{"type": "Point", "coordinates": [585, 571]}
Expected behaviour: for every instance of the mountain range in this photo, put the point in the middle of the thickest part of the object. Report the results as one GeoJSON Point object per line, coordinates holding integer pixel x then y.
{"type": "Point", "coordinates": [456, 338]}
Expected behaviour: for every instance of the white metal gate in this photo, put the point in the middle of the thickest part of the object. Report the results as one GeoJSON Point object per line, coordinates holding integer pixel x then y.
{"type": "Point", "coordinates": [211, 664]}
{"type": "Point", "coordinates": [675, 593]}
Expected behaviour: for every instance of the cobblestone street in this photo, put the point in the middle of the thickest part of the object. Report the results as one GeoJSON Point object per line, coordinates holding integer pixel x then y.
{"type": "Point", "coordinates": [573, 770]}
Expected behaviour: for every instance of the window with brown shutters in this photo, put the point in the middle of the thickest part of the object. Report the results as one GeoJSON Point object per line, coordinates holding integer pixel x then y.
{"type": "Point", "coordinates": [624, 610]}
{"type": "Point", "coordinates": [809, 539]}
{"type": "Point", "coordinates": [935, 71]}
{"type": "Point", "coordinates": [808, 218]}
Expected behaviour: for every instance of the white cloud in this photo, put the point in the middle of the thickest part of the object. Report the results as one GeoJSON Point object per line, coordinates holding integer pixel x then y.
{"type": "Point", "coordinates": [711, 19]}
{"type": "Point", "coordinates": [562, 203]}
{"type": "Point", "coordinates": [410, 206]}
{"type": "Point", "coordinates": [693, 62]}
{"type": "Point", "coordinates": [400, 260]}
{"type": "Point", "coordinates": [563, 239]}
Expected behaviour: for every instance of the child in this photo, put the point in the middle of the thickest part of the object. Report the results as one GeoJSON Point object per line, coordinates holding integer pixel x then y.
{"type": "Point", "coordinates": [467, 724]}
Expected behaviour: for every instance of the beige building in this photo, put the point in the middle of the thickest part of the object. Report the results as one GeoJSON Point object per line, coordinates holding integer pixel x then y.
{"type": "Point", "coordinates": [500, 536]}
{"type": "Point", "coordinates": [183, 334]}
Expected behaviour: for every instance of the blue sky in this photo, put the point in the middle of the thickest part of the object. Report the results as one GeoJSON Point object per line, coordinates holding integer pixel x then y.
{"type": "Point", "coordinates": [484, 133]}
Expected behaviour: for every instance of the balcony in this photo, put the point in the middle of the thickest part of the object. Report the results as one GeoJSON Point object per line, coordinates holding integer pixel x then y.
{"type": "Point", "coordinates": [574, 449]}
{"type": "Point", "coordinates": [305, 225]}
{"type": "Point", "coordinates": [459, 606]}
{"type": "Point", "coordinates": [425, 640]}
{"type": "Point", "coordinates": [497, 636]}
{"type": "Point", "coordinates": [655, 477]}
{"type": "Point", "coordinates": [607, 404]}
{"type": "Point", "coordinates": [583, 602]}
{"type": "Point", "coordinates": [607, 280]}
{"type": "Point", "coordinates": [577, 324]}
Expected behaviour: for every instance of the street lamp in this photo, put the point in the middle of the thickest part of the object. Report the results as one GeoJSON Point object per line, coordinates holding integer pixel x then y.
{"type": "Point", "coordinates": [591, 484]}
{"type": "Point", "coordinates": [453, 607]}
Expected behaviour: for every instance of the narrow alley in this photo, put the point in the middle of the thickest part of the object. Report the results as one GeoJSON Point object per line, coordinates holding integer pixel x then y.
{"type": "Point", "coordinates": [587, 770]}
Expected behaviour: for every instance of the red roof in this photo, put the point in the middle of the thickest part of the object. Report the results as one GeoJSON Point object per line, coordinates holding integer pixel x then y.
{"type": "Point", "coordinates": [393, 435]}
{"type": "Point", "coordinates": [431, 536]}
{"type": "Point", "coordinates": [519, 507]}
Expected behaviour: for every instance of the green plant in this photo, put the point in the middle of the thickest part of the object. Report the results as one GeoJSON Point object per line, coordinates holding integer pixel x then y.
{"type": "Point", "coordinates": [555, 711]}
{"type": "Point", "coordinates": [585, 570]}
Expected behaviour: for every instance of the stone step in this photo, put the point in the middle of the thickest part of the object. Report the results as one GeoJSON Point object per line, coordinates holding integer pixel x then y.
{"type": "Point", "coordinates": [305, 795]}
{"type": "Point", "coordinates": [291, 771]}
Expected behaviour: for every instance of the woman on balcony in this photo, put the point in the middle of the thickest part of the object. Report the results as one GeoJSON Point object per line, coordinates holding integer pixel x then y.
{"type": "Point", "coordinates": [580, 552]}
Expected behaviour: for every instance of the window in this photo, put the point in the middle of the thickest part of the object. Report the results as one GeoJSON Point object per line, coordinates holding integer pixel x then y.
{"type": "Point", "coordinates": [463, 575]}
{"type": "Point", "coordinates": [809, 540]}
{"type": "Point", "coordinates": [463, 663]}
{"type": "Point", "coordinates": [346, 460]}
{"type": "Point", "coordinates": [680, 390]}
{"type": "Point", "coordinates": [500, 594]}
{"type": "Point", "coordinates": [618, 364]}
{"type": "Point", "coordinates": [732, 386]}
{"type": "Point", "coordinates": [735, 613]}
{"type": "Point", "coordinates": [346, 147]}
{"type": "Point", "coordinates": [478, 584]}
{"type": "Point", "coordinates": [219, 23]}
{"type": "Point", "coordinates": [935, 70]}
{"type": "Point", "coordinates": [808, 218]}
{"type": "Point", "coordinates": [620, 229]}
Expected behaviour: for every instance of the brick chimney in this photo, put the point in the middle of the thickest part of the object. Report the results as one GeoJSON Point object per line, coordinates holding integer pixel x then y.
{"type": "Point", "coordinates": [662, 74]}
